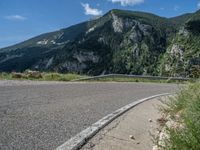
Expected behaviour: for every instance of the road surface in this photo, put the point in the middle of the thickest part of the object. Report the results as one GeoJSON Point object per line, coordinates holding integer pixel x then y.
{"type": "Point", "coordinates": [44, 115]}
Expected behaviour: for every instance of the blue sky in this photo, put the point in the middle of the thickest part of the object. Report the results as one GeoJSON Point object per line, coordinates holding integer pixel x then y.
{"type": "Point", "coordinates": [23, 19]}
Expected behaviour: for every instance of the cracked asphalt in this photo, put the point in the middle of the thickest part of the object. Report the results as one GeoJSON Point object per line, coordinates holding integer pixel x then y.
{"type": "Point", "coordinates": [44, 115]}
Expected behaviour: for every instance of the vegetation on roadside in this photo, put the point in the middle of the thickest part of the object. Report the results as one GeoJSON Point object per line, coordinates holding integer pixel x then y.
{"type": "Point", "coordinates": [41, 76]}
{"type": "Point", "coordinates": [132, 79]}
{"type": "Point", "coordinates": [50, 76]}
{"type": "Point", "coordinates": [184, 110]}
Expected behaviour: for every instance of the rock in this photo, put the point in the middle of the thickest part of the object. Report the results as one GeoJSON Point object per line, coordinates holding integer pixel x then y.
{"type": "Point", "coordinates": [49, 62]}
{"type": "Point", "coordinates": [177, 51]}
{"type": "Point", "coordinates": [138, 143]}
{"type": "Point", "coordinates": [117, 23]}
{"type": "Point", "coordinates": [157, 132]}
{"type": "Point", "coordinates": [162, 121]}
{"type": "Point", "coordinates": [146, 29]}
{"type": "Point", "coordinates": [135, 35]}
{"type": "Point", "coordinates": [73, 66]}
{"type": "Point", "coordinates": [183, 31]}
{"type": "Point", "coordinates": [155, 147]}
{"type": "Point", "coordinates": [33, 74]}
{"type": "Point", "coordinates": [135, 51]}
{"type": "Point", "coordinates": [86, 56]}
{"type": "Point", "coordinates": [163, 137]}
{"type": "Point", "coordinates": [150, 120]}
{"type": "Point", "coordinates": [91, 30]}
{"type": "Point", "coordinates": [132, 137]}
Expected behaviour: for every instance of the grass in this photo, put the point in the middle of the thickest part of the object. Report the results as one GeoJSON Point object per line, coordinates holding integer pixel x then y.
{"type": "Point", "coordinates": [50, 76]}
{"type": "Point", "coordinates": [187, 105]}
{"type": "Point", "coordinates": [44, 76]}
{"type": "Point", "coordinates": [5, 76]}
{"type": "Point", "coordinates": [131, 79]}
{"type": "Point", "coordinates": [61, 77]}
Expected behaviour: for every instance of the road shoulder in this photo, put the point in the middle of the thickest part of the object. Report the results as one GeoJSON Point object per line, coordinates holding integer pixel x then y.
{"type": "Point", "coordinates": [131, 131]}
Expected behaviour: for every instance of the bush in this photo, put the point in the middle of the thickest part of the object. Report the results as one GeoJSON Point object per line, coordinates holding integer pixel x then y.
{"type": "Point", "coordinates": [33, 74]}
{"type": "Point", "coordinates": [60, 77]}
{"type": "Point", "coordinates": [51, 76]}
{"type": "Point", "coordinates": [17, 75]}
{"type": "Point", "coordinates": [188, 103]}
{"type": "Point", "coordinates": [36, 75]}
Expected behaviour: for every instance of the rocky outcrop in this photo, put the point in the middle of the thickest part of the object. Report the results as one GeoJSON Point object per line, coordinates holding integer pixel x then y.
{"type": "Point", "coordinates": [86, 56]}
{"type": "Point", "coordinates": [178, 59]}
{"type": "Point", "coordinates": [183, 32]}
{"type": "Point", "coordinates": [118, 42]}
{"type": "Point", "coordinates": [73, 66]}
{"type": "Point", "coordinates": [117, 23]}
{"type": "Point", "coordinates": [173, 61]}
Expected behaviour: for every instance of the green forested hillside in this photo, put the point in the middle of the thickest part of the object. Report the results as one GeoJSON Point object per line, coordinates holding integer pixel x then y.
{"type": "Point", "coordinates": [183, 53]}
{"type": "Point", "coordinates": [118, 42]}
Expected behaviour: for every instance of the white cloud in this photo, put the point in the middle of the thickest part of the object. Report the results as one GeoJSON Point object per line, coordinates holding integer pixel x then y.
{"type": "Point", "coordinates": [15, 17]}
{"type": "Point", "coordinates": [128, 2]}
{"type": "Point", "coordinates": [198, 4]}
{"type": "Point", "coordinates": [176, 8]}
{"type": "Point", "coordinates": [91, 11]}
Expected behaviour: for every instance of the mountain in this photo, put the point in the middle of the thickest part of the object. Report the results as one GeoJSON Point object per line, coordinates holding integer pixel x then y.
{"type": "Point", "coordinates": [118, 42]}
{"type": "Point", "coordinates": [182, 57]}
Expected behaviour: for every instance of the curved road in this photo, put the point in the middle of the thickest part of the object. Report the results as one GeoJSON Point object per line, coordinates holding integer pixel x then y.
{"type": "Point", "coordinates": [44, 115]}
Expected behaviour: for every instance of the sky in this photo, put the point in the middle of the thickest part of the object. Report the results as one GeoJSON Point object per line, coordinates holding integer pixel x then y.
{"type": "Point", "coordinates": [23, 19]}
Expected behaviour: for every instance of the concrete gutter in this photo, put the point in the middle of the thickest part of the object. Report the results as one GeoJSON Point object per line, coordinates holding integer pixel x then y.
{"type": "Point", "coordinates": [81, 138]}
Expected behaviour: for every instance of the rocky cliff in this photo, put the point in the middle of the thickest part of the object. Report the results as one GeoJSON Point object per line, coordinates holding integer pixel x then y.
{"type": "Point", "coordinates": [118, 42]}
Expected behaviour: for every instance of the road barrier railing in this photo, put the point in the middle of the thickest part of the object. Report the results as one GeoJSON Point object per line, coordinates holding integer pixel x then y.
{"type": "Point", "coordinates": [134, 76]}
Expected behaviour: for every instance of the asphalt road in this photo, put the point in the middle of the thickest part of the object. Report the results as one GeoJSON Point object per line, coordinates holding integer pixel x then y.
{"type": "Point", "coordinates": [43, 115]}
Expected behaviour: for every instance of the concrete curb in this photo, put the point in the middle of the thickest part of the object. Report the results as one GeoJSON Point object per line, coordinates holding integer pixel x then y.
{"type": "Point", "coordinates": [81, 138]}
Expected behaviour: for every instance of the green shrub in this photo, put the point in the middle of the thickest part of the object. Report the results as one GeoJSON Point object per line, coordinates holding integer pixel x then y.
{"type": "Point", "coordinates": [193, 26]}
{"type": "Point", "coordinates": [60, 77]}
{"type": "Point", "coordinates": [36, 75]}
{"type": "Point", "coordinates": [51, 76]}
{"type": "Point", "coordinates": [188, 103]}
{"type": "Point", "coordinates": [17, 75]}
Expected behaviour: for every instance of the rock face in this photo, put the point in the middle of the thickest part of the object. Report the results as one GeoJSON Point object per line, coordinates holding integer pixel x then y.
{"type": "Point", "coordinates": [182, 57]}
{"type": "Point", "coordinates": [117, 23]}
{"type": "Point", "coordinates": [118, 42]}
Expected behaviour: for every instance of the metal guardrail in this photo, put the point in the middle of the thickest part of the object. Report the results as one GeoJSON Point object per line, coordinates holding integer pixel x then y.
{"type": "Point", "coordinates": [135, 76]}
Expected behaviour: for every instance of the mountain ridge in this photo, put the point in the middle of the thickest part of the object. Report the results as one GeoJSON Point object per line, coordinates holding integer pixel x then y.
{"type": "Point", "coordinates": [120, 41]}
{"type": "Point", "coordinates": [137, 12]}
